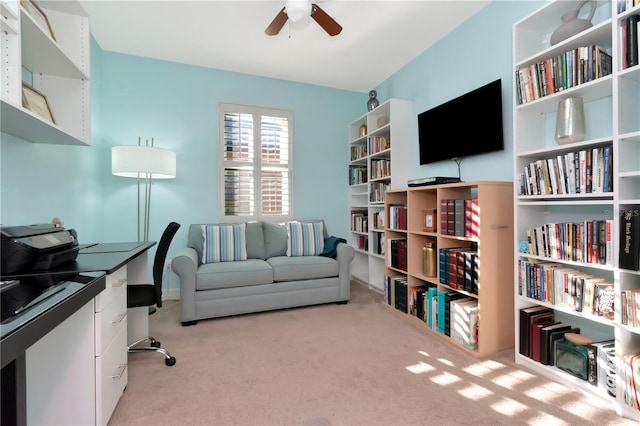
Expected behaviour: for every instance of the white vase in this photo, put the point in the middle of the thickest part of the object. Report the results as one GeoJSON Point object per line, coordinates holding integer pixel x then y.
{"type": "Point", "coordinates": [570, 126]}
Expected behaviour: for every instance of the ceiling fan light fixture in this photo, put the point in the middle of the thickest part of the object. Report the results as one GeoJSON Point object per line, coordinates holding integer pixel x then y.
{"type": "Point", "coordinates": [298, 10]}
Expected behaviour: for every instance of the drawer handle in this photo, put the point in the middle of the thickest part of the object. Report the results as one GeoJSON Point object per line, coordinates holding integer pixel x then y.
{"type": "Point", "coordinates": [120, 372]}
{"type": "Point", "coordinates": [118, 283]}
{"type": "Point", "coordinates": [118, 318]}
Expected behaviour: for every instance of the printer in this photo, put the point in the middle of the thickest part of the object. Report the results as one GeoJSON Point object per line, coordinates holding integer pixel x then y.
{"type": "Point", "coordinates": [39, 247]}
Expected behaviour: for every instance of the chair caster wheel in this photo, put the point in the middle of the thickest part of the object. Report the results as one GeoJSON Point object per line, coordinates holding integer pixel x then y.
{"type": "Point", "coordinates": [170, 361]}
{"type": "Point", "coordinates": [155, 344]}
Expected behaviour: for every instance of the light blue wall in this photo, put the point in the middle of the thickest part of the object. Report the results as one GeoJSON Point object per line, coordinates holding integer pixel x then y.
{"type": "Point", "coordinates": [177, 105]}
{"type": "Point", "coordinates": [477, 52]}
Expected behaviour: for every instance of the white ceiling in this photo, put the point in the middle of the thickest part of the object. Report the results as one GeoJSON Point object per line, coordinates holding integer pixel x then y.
{"type": "Point", "coordinates": [378, 37]}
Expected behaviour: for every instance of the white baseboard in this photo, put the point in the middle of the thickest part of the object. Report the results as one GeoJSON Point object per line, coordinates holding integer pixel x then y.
{"type": "Point", "coordinates": [171, 294]}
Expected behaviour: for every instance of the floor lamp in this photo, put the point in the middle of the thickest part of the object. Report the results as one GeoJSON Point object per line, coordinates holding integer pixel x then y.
{"type": "Point", "coordinates": [143, 162]}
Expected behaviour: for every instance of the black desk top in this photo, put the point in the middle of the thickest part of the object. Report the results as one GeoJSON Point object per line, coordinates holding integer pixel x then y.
{"type": "Point", "coordinates": [94, 261]}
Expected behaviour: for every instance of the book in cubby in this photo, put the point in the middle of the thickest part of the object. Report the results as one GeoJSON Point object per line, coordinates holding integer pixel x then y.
{"type": "Point", "coordinates": [357, 175]}
{"type": "Point", "coordinates": [459, 217]}
{"type": "Point", "coordinates": [397, 217]}
{"type": "Point", "coordinates": [359, 220]}
{"type": "Point", "coordinates": [358, 152]}
{"type": "Point", "coordinates": [377, 191]}
{"type": "Point", "coordinates": [378, 144]}
{"type": "Point", "coordinates": [397, 253]}
{"type": "Point", "coordinates": [378, 221]}
{"type": "Point", "coordinates": [380, 169]}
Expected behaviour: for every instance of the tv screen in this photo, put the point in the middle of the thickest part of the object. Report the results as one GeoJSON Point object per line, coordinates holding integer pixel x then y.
{"type": "Point", "coordinates": [470, 124]}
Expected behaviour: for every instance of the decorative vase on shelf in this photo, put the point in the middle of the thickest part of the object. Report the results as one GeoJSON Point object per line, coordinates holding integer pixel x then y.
{"type": "Point", "coordinates": [372, 103]}
{"type": "Point", "coordinates": [571, 25]}
{"type": "Point", "coordinates": [570, 126]}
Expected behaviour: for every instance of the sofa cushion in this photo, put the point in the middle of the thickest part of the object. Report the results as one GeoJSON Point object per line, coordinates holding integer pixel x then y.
{"type": "Point", "coordinates": [224, 243]}
{"type": "Point", "coordinates": [275, 239]}
{"type": "Point", "coordinates": [233, 274]}
{"type": "Point", "coordinates": [286, 268]}
{"type": "Point", "coordinates": [305, 238]}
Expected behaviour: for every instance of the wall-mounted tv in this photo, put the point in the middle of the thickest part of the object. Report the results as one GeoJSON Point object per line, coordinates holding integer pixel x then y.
{"type": "Point", "coordinates": [470, 124]}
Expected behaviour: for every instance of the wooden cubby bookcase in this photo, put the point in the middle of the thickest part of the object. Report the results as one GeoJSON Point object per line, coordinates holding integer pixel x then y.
{"type": "Point", "coordinates": [494, 247]}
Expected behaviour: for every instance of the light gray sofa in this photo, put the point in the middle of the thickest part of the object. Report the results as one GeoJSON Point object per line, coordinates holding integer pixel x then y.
{"type": "Point", "coordinates": [267, 280]}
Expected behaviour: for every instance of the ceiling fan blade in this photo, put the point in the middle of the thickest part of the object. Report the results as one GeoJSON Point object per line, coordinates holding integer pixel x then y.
{"type": "Point", "coordinates": [325, 21]}
{"type": "Point", "coordinates": [276, 25]}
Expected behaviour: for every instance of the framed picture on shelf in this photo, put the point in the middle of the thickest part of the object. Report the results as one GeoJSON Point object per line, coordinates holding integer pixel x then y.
{"type": "Point", "coordinates": [38, 15]}
{"type": "Point", "coordinates": [36, 102]}
{"type": "Point", "coordinates": [429, 220]}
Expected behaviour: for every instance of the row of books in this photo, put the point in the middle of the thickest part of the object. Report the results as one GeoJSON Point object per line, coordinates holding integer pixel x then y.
{"type": "Point", "coordinates": [360, 220]}
{"type": "Point", "coordinates": [378, 144]}
{"type": "Point", "coordinates": [358, 152]}
{"type": "Point", "coordinates": [459, 217]}
{"type": "Point", "coordinates": [566, 287]}
{"type": "Point", "coordinates": [459, 268]}
{"type": "Point", "coordinates": [380, 169]}
{"type": "Point", "coordinates": [583, 172]}
{"type": "Point", "coordinates": [589, 241]}
{"type": "Point", "coordinates": [397, 217]}
{"type": "Point", "coordinates": [357, 175]}
{"type": "Point", "coordinates": [444, 311]}
{"type": "Point", "coordinates": [397, 250]}
{"type": "Point", "coordinates": [453, 314]}
{"type": "Point", "coordinates": [561, 72]}
{"type": "Point", "coordinates": [376, 192]}
{"type": "Point", "coordinates": [542, 338]}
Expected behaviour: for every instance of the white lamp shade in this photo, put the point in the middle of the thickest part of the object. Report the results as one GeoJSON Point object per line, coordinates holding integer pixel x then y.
{"type": "Point", "coordinates": [298, 10]}
{"type": "Point", "coordinates": [133, 161]}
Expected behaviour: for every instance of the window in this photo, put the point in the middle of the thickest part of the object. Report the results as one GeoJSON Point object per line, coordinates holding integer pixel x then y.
{"type": "Point", "coordinates": [255, 146]}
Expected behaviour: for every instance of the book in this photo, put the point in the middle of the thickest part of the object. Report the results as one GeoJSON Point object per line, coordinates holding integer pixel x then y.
{"type": "Point", "coordinates": [538, 322]}
{"type": "Point", "coordinates": [449, 296]}
{"type": "Point", "coordinates": [632, 40]}
{"type": "Point", "coordinates": [525, 315]}
{"type": "Point", "coordinates": [604, 297]}
{"type": "Point", "coordinates": [458, 321]}
{"type": "Point", "coordinates": [554, 336]}
{"type": "Point", "coordinates": [629, 253]}
{"type": "Point", "coordinates": [592, 351]}
{"type": "Point", "coordinates": [545, 339]}
{"type": "Point", "coordinates": [459, 218]}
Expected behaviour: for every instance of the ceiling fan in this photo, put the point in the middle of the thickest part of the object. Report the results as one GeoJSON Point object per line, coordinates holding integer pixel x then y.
{"type": "Point", "coordinates": [299, 10]}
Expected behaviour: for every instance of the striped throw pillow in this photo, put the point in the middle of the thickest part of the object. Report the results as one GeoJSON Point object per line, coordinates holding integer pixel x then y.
{"type": "Point", "coordinates": [224, 243]}
{"type": "Point", "coordinates": [305, 238]}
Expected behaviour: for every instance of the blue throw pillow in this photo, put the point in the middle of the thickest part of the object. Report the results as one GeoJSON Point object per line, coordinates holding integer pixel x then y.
{"type": "Point", "coordinates": [224, 243]}
{"type": "Point", "coordinates": [305, 238]}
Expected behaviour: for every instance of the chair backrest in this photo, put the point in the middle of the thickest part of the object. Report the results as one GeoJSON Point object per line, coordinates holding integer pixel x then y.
{"type": "Point", "coordinates": [161, 256]}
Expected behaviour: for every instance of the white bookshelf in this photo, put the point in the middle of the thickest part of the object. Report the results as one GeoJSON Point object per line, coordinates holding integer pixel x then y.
{"type": "Point", "coordinates": [58, 67]}
{"type": "Point", "coordinates": [395, 121]}
{"type": "Point", "coordinates": [611, 113]}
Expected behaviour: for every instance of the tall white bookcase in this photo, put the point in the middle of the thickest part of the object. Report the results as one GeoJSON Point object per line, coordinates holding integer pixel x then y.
{"type": "Point", "coordinates": [612, 116]}
{"type": "Point", "coordinates": [380, 145]}
{"type": "Point", "coordinates": [56, 63]}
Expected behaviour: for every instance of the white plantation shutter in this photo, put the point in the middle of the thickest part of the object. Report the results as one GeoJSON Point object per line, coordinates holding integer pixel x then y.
{"type": "Point", "coordinates": [256, 168]}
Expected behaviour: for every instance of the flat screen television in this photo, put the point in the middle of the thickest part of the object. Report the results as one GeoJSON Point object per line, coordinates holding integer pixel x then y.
{"type": "Point", "coordinates": [470, 124]}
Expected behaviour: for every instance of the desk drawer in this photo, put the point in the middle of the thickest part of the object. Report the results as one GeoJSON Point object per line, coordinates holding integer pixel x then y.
{"type": "Point", "coordinates": [114, 282]}
{"type": "Point", "coordinates": [111, 320]}
{"type": "Point", "coordinates": [112, 375]}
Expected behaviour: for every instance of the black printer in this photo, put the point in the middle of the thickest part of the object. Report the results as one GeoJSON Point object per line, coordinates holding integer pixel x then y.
{"type": "Point", "coordinates": [39, 247]}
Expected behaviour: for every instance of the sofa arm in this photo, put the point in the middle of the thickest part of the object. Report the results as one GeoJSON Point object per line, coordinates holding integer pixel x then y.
{"type": "Point", "coordinates": [345, 254]}
{"type": "Point", "coordinates": [185, 265]}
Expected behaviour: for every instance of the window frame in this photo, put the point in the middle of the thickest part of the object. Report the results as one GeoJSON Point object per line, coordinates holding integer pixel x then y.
{"type": "Point", "coordinates": [257, 112]}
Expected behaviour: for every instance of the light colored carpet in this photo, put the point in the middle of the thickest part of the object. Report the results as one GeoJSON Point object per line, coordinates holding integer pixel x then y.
{"type": "Point", "coordinates": [354, 364]}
